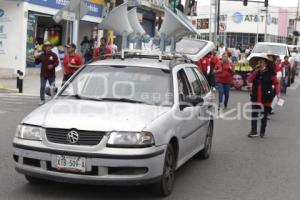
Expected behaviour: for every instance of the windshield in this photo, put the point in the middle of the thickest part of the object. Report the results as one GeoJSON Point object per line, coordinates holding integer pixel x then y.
{"type": "Point", "coordinates": [273, 49]}
{"type": "Point", "coordinates": [122, 83]}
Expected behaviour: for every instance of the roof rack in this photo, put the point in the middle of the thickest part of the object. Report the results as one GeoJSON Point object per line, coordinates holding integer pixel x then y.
{"type": "Point", "coordinates": [175, 58]}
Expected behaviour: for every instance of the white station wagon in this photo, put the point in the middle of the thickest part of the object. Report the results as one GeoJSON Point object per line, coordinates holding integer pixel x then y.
{"type": "Point", "coordinates": [121, 122]}
{"type": "Point", "coordinates": [129, 120]}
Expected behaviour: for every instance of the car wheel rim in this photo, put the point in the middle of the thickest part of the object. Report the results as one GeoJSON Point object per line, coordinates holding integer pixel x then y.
{"type": "Point", "coordinates": [169, 170]}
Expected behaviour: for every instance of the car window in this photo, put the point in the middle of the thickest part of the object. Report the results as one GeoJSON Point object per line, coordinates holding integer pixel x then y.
{"type": "Point", "coordinates": [274, 49]}
{"type": "Point", "coordinates": [205, 87]}
{"type": "Point", "coordinates": [184, 88]}
{"type": "Point", "coordinates": [194, 81]}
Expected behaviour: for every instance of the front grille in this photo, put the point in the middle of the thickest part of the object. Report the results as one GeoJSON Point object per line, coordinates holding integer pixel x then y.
{"type": "Point", "coordinates": [85, 137]}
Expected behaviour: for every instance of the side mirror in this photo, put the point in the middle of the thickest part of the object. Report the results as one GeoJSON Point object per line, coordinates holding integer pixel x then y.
{"type": "Point", "coordinates": [194, 100]}
{"type": "Point", "coordinates": [190, 101]}
{"type": "Point", "coordinates": [51, 91]}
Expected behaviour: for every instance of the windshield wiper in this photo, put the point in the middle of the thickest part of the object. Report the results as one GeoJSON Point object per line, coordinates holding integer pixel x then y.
{"type": "Point", "coordinates": [77, 96]}
{"type": "Point", "coordinates": [123, 100]}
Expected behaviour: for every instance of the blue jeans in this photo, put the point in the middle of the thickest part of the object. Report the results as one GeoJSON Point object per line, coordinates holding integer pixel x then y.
{"type": "Point", "coordinates": [223, 91]}
{"type": "Point", "coordinates": [44, 80]}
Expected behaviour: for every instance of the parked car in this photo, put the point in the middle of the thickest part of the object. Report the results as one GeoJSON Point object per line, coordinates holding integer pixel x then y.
{"type": "Point", "coordinates": [128, 121]}
{"type": "Point", "coordinates": [279, 49]}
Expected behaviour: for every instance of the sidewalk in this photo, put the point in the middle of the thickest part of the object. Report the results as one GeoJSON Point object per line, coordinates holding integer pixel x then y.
{"type": "Point", "coordinates": [31, 84]}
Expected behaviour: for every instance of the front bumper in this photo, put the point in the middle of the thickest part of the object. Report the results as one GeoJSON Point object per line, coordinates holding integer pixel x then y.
{"type": "Point", "coordinates": [142, 166]}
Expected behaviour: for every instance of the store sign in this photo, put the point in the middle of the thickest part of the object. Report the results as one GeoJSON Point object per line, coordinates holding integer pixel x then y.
{"type": "Point", "coordinates": [95, 7]}
{"type": "Point", "coordinates": [3, 35]}
{"type": "Point", "coordinates": [238, 18]}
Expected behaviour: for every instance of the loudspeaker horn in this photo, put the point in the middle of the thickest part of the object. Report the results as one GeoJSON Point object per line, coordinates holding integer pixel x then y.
{"type": "Point", "coordinates": [174, 27]}
{"type": "Point", "coordinates": [117, 21]}
{"type": "Point", "coordinates": [134, 22]}
{"type": "Point", "coordinates": [172, 24]}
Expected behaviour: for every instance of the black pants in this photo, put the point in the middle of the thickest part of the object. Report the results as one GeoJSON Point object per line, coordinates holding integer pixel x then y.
{"type": "Point", "coordinates": [66, 78]}
{"type": "Point", "coordinates": [260, 112]}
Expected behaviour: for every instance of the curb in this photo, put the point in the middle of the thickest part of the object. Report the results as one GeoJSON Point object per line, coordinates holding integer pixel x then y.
{"type": "Point", "coordinates": [3, 87]}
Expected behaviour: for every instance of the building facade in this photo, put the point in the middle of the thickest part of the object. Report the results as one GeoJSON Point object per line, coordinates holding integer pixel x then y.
{"type": "Point", "coordinates": [244, 26]}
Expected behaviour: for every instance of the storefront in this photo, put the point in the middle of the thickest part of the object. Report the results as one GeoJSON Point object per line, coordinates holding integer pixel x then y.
{"type": "Point", "coordinates": [38, 26]}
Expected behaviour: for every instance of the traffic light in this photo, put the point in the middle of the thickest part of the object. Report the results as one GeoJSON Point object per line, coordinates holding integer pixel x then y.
{"type": "Point", "coordinates": [245, 2]}
{"type": "Point", "coordinates": [266, 3]}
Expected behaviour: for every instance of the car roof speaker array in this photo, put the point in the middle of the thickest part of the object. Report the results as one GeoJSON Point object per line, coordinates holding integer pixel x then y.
{"type": "Point", "coordinates": [126, 24]}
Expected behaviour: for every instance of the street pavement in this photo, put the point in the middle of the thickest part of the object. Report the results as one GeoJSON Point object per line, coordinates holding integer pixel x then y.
{"type": "Point", "coordinates": [240, 168]}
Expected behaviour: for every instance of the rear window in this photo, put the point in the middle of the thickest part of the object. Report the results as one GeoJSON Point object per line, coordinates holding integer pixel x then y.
{"type": "Point", "coordinates": [273, 49]}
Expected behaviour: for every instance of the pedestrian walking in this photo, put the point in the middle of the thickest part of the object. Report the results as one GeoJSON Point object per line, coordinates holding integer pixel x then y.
{"type": "Point", "coordinates": [278, 72]}
{"type": "Point", "coordinates": [224, 71]}
{"type": "Point", "coordinates": [104, 49]}
{"type": "Point", "coordinates": [48, 61]}
{"type": "Point", "coordinates": [221, 50]}
{"type": "Point", "coordinates": [263, 78]}
{"type": "Point", "coordinates": [286, 74]}
{"type": "Point", "coordinates": [72, 62]}
{"type": "Point", "coordinates": [236, 53]}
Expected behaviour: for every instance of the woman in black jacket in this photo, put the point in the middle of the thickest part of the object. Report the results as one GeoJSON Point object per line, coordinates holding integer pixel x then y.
{"type": "Point", "coordinates": [263, 78]}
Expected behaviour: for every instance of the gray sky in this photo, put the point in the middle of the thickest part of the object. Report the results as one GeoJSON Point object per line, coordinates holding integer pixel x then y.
{"type": "Point", "coordinates": [284, 3]}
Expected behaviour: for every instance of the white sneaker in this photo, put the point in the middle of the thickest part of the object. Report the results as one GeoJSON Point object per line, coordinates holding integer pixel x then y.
{"type": "Point", "coordinates": [42, 102]}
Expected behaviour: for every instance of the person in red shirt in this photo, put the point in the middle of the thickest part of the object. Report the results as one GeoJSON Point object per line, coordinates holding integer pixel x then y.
{"type": "Point", "coordinates": [263, 78]}
{"type": "Point", "coordinates": [286, 70]}
{"type": "Point", "coordinates": [204, 65]}
{"type": "Point", "coordinates": [214, 59]}
{"type": "Point", "coordinates": [72, 62]}
{"type": "Point", "coordinates": [224, 71]}
{"type": "Point", "coordinates": [103, 51]}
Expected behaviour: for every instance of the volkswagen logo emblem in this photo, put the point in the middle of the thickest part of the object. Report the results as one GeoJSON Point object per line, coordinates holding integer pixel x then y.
{"type": "Point", "coordinates": [72, 137]}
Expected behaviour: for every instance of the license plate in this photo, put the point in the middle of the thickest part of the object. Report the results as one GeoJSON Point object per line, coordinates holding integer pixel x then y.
{"type": "Point", "coordinates": [70, 163]}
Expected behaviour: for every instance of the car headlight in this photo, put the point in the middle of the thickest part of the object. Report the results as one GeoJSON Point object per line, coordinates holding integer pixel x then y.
{"type": "Point", "coordinates": [130, 139]}
{"type": "Point", "coordinates": [30, 132]}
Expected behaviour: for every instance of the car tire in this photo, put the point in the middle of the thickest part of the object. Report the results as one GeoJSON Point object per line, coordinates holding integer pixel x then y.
{"type": "Point", "coordinates": [164, 187]}
{"type": "Point", "coordinates": [34, 180]}
{"type": "Point", "coordinates": [205, 152]}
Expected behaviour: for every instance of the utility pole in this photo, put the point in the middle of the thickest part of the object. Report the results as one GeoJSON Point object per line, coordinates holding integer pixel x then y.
{"type": "Point", "coordinates": [257, 23]}
{"type": "Point", "coordinates": [217, 20]}
{"type": "Point", "coordinates": [266, 24]}
{"type": "Point", "coordinates": [210, 20]}
{"type": "Point", "coordinates": [296, 21]}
